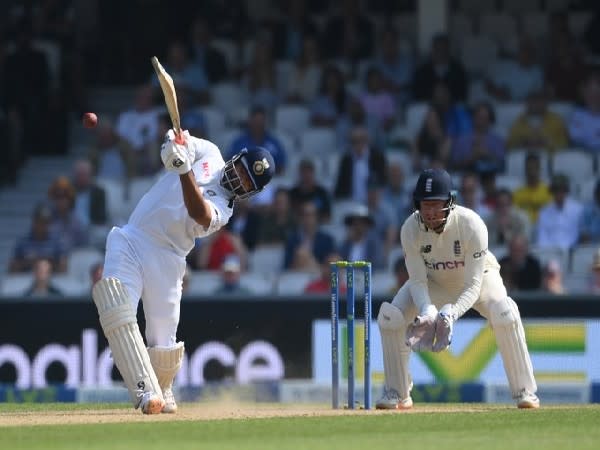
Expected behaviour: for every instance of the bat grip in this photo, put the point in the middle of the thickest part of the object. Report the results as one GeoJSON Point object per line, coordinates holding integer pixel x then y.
{"type": "Point", "coordinates": [179, 137]}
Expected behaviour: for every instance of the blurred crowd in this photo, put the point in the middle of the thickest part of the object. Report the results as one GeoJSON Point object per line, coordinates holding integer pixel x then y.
{"type": "Point", "coordinates": [339, 94]}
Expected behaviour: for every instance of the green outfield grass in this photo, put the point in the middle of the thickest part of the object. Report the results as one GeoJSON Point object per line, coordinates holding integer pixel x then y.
{"type": "Point", "coordinates": [573, 427]}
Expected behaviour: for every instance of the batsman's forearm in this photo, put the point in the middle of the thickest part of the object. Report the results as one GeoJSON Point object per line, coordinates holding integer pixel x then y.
{"type": "Point", "coordinates": [198, 209]}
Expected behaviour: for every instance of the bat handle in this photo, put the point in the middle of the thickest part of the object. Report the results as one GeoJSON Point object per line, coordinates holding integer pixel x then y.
{"type": "Point", "coordinates": [179, 137]}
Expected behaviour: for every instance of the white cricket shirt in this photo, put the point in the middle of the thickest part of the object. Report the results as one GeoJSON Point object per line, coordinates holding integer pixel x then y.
{"type": "Point", "coordinates": [161, 213]}
{"type": "Point", "coordinates": [454, 259]}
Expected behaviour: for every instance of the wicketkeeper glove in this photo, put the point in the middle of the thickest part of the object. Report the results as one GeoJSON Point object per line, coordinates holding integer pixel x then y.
{"type": "Point", "coordinates": [443, 327]}
{"type": "Point", "coordinates": [420, 333]}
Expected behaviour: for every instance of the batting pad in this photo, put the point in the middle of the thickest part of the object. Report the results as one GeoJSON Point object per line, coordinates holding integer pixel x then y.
{"type": "Point", "coordinates": [119, 323]}
{"type": "Point", "coordinates": [392, 327]}
{"type": "Point", "coordinates": [510, 337]}
{"type": "Point", "coordinates": [166, 362]}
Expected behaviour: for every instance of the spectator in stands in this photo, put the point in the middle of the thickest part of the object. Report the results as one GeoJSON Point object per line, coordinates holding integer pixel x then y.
{"type": "Point", "coordinates": [376, 100]}
{"type": "Point", "coordinates": [302, 85]}
{"type": "Point", "coordinates": [514, 79]}
{"type": "Point", "coordinates": [356, 167]}
{"type": "Point", "coordinates": [356, 116]}
{"type": "Point", "coordinates": [307, 188]}
{"type": "Point", "coordinates": [584, 125]}
{"type": "Point", "coordinates": [322, 284]}
{"type": "Point", "coordinates": [307, 240]}
{"type": "Point", "coordinates": [291, 30]}
{"type": "Point", "coordinates": [456, 119]}
{"type": "Point", "coordinates": [210, 60]}
{"type": "Point", "coordinates": [520, 270]}
{"type": "Point", "coordinates": [552, 278]}
{"type": "Point", "coordinates": [331, 100]}
{"type": "Point", "coordinates": [482, 149]}
{"type": "Point", "coordinates": [186, 73]}
{"type": "Point", "coordinates": [192, 118]}
{"type": "Point", "coordinates": [594, 284]}
{"type": "Point", "coordinates": [139, 125]}
{"type": "Point", "coordinates": [111, 156]}
{"type": "Point", "coordinates": [230, 278]}
{"type": "Point", "coordinates": [534, 194]}
{"type": "Point", "coordinates": [245, 222]}
{"type": "Point", "coordinates": [348, 35]}
{"type": "Point", "coordinates": [590, 220]}
{"type": "Point", "coordinates": [278, 221]}
{"type": "Point", "coordinates": [210, 252]}
{"type": "Point", "coordinates": [591, 35]}
{"type": "Point", "coordinates": [506, 221]}
{"type": "Point", "coordinates": [566, 69]}
{"type": "Point", "coordinates": [400, 274]}
{"type": "Point", "coordinates": [440, 67]}
{"type": "Point", "coordinates": [489, 189]}
{"type": "Point", "coordinates": [396, 66]}
{"type": "Point", "coordinates": [39, 243]}
{"type": "Point", "coordinates": [260, 76]}
{"type": "Point", "coordinates": [560, 220]}
{"type": "Point", "coordinates": [432, 145]}
{"type": "Point", "coordinates": [538, 128]}
{"type": "Point", "coordinates": [385, 224]}
{"type": "Point", "coordinates": [147, 160]}
{"type": "Point", "coordinates": [470, 195]}
{"type": "Point", "coordinates": [361, 242]}
{"type": "Point", "coordinates": [42, 285]}
{"type": "Point", "coordinates": [257, 134]}
{"type": "Point", "coordinates": [65, 222]}
{"type": "Point", "coordinates": [396, 196]}
{"type": "Point", "coordinates": [26, 78]}
{"type": "Point", "coordinates": [90, 199]}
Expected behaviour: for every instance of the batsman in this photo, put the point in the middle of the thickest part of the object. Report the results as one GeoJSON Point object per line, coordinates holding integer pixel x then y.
{"type": "Point", "coordinates": [146, 258]}
{"type": "Point", "coordinates": [450, 271]}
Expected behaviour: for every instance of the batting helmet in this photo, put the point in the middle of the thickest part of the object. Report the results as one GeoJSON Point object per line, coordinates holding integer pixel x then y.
{"type": "Point", "coordinates": [258, 165]}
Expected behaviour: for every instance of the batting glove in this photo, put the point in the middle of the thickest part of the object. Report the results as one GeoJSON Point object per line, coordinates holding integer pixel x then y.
{"type": "Point", "coordinates": [175, 157]}
{"type": "Point", "coordinates": [443, 327]}
{"type": "Point", "coordinates": [420, 333]}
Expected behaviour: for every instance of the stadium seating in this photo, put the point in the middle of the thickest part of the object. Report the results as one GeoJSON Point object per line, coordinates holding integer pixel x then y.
{"type": "Point", "coordinates": [80, 262]}
{"type": "Point", "coordinates": [293, 282]}
{"type": "Point", "coordinates": [267, 259]}
{"type": "Point", "coordinates": [203, 283]}
{"type": "Point", "coordinates": [292, 119]}
{"type": "Point", "coordinates": [582, 257]}
{"type": "Point", "coordinates": [318, 141]}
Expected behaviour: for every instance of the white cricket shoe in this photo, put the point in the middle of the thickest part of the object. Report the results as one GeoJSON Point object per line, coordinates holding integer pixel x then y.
{"type": "Point", "coordinates": [151, 403]}
{"type": "Point", "coordinates": [391, 400]}
{"type": "Point", "coordinates": [527, 400]}
{"type": "Point", "coordinates": [170, 404]}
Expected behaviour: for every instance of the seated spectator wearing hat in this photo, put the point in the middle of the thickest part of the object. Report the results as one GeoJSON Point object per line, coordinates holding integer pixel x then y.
{"type": "Point", "coordinates": [552, 278]}
{"type": "Point", "coordinates": [361, 243]}
{"type": "Point", "coordinates": [42, 280]}
{"type": "Point", "coordinates": [520, 270]}
{"type": "Point", "coordinates": [307, 240]}
{"type": "Point", "coordinates": [39, 243]}
{"type": "Point", "coordinates": [559, 221]}
{"type": "Point", "coordinates": [594, 285]}
{"type": "Point", "coordinates": [590, 221]}
{"type": "Point", "coordinates": [230, 277]}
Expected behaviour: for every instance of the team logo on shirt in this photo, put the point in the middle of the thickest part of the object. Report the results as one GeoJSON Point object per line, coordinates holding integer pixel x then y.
{"type": "Point", "coordinates": [210, 192]}
{"type": "Point", "coordinates": [456, 248]}
{"type": "Point", "coordinates": [426, 248]}
{"type": "Point", "coordinates": [259, 167]}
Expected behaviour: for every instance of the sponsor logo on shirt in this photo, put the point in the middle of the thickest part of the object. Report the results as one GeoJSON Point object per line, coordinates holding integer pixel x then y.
{"type": "Point", "coordinates": [205, 169]}
{"type": "Point", "coordinates": [443, 265]}
{"type": "Point", "coordinates": [478, 255]}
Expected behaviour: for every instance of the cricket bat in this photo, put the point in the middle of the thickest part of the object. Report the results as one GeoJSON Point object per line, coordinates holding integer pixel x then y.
{"type": "Point", "coordinates": [168, 89]}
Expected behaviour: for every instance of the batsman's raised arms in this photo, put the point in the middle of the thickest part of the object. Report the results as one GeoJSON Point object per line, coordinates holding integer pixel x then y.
{"type": "Point", "coordinates": [168, 89]}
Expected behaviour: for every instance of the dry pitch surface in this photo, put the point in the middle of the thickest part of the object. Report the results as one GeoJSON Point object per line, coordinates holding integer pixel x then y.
{"type": "Point", "coordinates": [214, 411]}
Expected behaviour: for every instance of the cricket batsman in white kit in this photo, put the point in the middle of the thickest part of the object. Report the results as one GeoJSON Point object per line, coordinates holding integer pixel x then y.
{"type": "Point", "coordinates": [147, 259]}
{"type": "Point", "coordinates": [450, 268]}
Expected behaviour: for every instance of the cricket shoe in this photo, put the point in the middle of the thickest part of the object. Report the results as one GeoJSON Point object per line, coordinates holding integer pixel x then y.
{"type": "Point", "coordinates": [151, 403]}
{"type": "Point", "coordinates": [527, 400]}
{"type": "Point", "coordinates": [391, 400]}
{"type": "Point", "coordinates": [170, 403]}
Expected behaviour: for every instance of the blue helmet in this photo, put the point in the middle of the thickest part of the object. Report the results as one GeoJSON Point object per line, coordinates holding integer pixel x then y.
{"type": "Point", "coordinates": [258, 165]}
{"type": "Point", "coordinates": [434, 184]}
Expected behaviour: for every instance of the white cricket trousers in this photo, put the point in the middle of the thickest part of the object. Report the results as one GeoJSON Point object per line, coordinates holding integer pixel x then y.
{"type": "Point", "coordinates": [151, 272]}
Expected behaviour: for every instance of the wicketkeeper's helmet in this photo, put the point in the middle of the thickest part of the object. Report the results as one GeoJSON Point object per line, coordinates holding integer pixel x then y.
{"type": "Point", "coordinates": [258, 165]}
{"type": "Point", "coordinates": [434, 184]}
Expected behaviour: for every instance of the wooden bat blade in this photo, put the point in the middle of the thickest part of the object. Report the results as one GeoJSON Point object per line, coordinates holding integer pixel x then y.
{"type": "Point", "coordinates": [168, 89]}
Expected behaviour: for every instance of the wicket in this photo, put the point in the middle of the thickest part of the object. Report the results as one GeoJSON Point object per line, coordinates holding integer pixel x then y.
{"type": "Point", "coordinates": [335, 306]}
